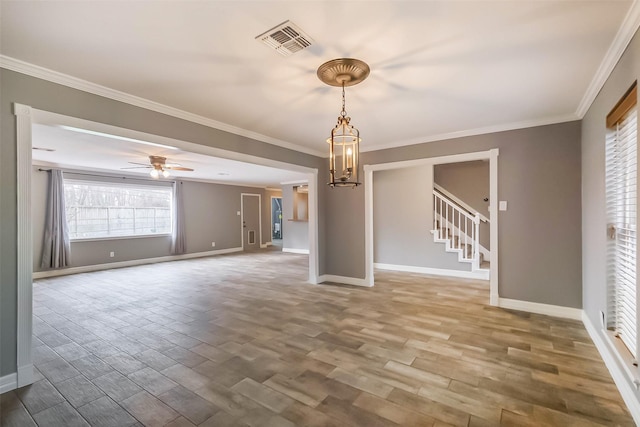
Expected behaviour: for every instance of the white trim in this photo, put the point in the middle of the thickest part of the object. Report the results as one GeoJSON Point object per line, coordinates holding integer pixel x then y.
{"type": "Point", "coordinates": [265, 245]}
{"type": "Point", "coordinates": [343, 280]}
{"type": "Point", "coordinates": [620, 373]}
{"type": "Point", "coordinates": [493, 231]}
{"type": "Point", "coordinates": [296, 251]}
{"type": "Point", "coordinates": [619, 44]}
{"type": "Point", "coordinates": [8, 383]}
{"type": "Point", "coordinates": [491, 155]}
{"type": "Point", "coordinates": [19, 66]}
{"type": "Point", "coordinates": [538, 308]}
{"type": "Point", "coordinates": [24, 251]}
{"type": "Point", "coordinates": [368, 225]}
{"type": "Point", "coordinates": [297, 181]}
{"type": "Point", "coordinates": [473, 132]}
{"type": "Point", "coordinates": [478, 274]}
{"type": "Point", "coordinates": [130, 263]}
{"type": "Point", "coordinates": [459, 201]}
{"type": "Point", "coordinates": [86, 86]}
{"type": "Point", "coordinates": [314, 263]}
{"type": "Point", "coordinates": [242, 195]}
{"type": "Point", "coordinates": [271, 216]}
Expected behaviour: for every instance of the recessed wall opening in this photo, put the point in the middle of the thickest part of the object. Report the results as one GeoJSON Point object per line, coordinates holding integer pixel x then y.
{"type": "Point", "coordinates": [30, 123]}
{"type": "Point", "coordinates": [388, 190]}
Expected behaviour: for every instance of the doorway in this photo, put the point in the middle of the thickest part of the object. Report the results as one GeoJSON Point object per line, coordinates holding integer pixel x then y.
{"type": "Point", "coordinates": [276, 221]}
{"type": "Point", "coordinates": [490, 155]}
{"type": "Point", "coordinates": [251, 221]}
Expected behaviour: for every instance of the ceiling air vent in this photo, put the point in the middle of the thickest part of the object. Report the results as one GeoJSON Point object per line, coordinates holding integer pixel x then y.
{"type": "Point", "coordinates": [286, 38]}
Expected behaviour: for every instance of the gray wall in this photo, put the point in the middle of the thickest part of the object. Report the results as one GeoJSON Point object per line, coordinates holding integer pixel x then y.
{"type": "Point", "coordinates": [468, 181]}
{"type": "Point", "coordinates": [40, 94]}
{"type": "Point", "coordinates": [210, 216]}
{"type": "Point", "coordinates": [295, 234]}
{"type": "Point", "coordinates": [594, 221]}
{"type": "Point", "coordinates": [403, 219]}
{"type": "Point", "coordinates": [540, 240]}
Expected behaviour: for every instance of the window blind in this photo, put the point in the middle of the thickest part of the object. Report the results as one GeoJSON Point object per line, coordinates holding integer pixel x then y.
{"type": "Point", "coordinates": [621, 201]}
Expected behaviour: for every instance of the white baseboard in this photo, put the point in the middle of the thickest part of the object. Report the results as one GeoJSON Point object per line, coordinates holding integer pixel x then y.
{"type": "Point", "coordinates": [538, 308]}
{"type": "Point", "coordinates": [296, 251]}
{"type": "Point", "coordinates": [481, 275]}
{"type": "Point", "coordinates": [131, 263]}
{"type": "Point", "coordinates": [8, 383]}
{"type": "Point", "coordinates": [25, 375]}
{"type": "Point", "coordinates": [620, 374]}
{"type": "Point", "coordinates": [344, 280]}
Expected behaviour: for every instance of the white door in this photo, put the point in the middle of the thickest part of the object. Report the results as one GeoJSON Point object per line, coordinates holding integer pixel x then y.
{"type": "Point", "coordinates": [250, 222]}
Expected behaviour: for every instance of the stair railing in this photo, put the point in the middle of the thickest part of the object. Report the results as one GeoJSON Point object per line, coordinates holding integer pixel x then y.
{"type": "Point", "coordinates": [460, 227]}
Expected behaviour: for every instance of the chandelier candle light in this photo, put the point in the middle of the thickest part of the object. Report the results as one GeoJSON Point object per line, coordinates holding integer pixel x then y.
{"type": "Point", "coordinates": [345, 138]}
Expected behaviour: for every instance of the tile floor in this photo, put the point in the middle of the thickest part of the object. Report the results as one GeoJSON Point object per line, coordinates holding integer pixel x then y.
{"type": "Point", "coordinates": [243, 340]}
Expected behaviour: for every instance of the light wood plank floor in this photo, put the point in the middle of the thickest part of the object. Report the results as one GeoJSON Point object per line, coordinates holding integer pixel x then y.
{"type": "Point", "coordinates": [243, 340]}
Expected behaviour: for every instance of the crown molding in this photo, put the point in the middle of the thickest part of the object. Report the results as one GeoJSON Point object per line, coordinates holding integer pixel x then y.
{"type": "Point", "coordinates": [32, 70]}
{"type": "Point", "coordinates": [620, 42]}
{"type": "Point", "coordinates": [473, 132]}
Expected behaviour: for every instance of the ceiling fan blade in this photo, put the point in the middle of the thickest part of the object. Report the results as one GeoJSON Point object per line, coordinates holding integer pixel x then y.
{"type": "Point", "coordinates": [179, 168]}
{"type": "Point", "coordinates": [137, 167]}
{"type": "Point", "coordinates": [141, 164]}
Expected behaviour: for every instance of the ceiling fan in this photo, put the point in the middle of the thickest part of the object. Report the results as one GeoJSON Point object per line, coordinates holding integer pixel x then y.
{"type": "Point", "coordinates": [158, 166]}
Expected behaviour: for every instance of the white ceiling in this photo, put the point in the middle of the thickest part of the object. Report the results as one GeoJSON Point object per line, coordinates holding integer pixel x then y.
{"type": "Point", "coordinates": [98, 153]}
{"type": "Point", "coordinates": [438, 68]}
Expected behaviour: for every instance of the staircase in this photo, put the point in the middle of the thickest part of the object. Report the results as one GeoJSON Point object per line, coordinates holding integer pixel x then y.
{"type": "Point", "coordinates": [457, 226]}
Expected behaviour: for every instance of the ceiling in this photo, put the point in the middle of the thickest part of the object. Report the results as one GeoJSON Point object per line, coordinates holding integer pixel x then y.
{"type": "Point", "coordinates": [438, 68]}
{"type": "Point", "coordinates": [82, 151]}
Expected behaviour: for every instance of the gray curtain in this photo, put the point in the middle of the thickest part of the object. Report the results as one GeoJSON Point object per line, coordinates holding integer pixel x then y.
{"type": "Point", "coordinates": [57, 248]}
{"type": "Point", "coordinates": [178, 241]}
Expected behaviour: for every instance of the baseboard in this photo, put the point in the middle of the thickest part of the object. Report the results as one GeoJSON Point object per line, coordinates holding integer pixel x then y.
{"type": "Point", "coordinates": [25, 375]}
{"type": "Point", "coordinates": [130, 263]}
{"type": "Point", "coordinates": [8, 383]}
{"type": "Point", "coordinates": [296, 251]}
{"type": "Point", "coordinates": [344, 280]}
{"type": "Point", "coordinates": [620, 375]}
{"type": "Point", "coordinates": [265, 245]}
{"type": "Point", "coordinates": [538, 308]}
{"type": "Point", "coordinates": [480, 275]}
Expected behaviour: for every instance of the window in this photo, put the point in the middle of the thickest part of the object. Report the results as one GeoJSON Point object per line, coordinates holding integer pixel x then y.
{"type": "Point", "coordinates": [104, 210]}
{"type": "Point", "coordinates": [621, 202]}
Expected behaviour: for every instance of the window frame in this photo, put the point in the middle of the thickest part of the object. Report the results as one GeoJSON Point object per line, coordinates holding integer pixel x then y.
{"type": "Point", "coordinates": [113, 182]}
{"type": "Point", "coordinates": [616, 323]}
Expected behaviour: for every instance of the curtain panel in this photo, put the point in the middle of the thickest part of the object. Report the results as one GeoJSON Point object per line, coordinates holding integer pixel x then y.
{"type": "Point", "coordinates": [56, 250]}
{"type": "Point", "coordinates": [178, 241]}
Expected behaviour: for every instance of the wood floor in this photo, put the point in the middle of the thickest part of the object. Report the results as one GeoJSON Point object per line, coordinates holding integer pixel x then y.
{"type": "Point", "coordinates": [243, 340]}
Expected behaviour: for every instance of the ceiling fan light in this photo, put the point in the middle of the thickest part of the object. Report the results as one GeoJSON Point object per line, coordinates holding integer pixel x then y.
{"type": "Point", "coordinates": [154, 173]}
{"type": "Point", "coordinates": [165, 173]}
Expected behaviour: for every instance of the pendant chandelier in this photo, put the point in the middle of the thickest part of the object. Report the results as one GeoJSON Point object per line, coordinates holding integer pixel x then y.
{"type": "Point", "coordinates": [344, 142]}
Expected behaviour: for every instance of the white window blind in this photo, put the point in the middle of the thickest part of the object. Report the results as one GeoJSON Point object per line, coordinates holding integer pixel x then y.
{"type": "Point", "coordinates": [621, 201]}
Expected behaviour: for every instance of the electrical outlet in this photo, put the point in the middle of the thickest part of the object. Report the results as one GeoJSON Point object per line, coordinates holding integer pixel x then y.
{"type": "Point", "coordinates": [112, 254]}
{"type": "Point", "coordinates": [238, 213]}
{"type": "Point", "coordinates": [213, 244]}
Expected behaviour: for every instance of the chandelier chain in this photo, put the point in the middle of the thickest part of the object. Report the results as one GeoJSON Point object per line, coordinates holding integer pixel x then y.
{"type": "Point", "coordinates": [344, 112]}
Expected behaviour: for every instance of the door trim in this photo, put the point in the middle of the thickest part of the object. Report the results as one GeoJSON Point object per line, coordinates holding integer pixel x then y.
{"type": "Point", "coordinates": [491, 155]}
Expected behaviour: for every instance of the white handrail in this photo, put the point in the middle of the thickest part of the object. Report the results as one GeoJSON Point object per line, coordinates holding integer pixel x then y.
{"type": "Point", "coordinates": [459, 202]}
{"type": "Point", "coordinates": [459, 228]}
